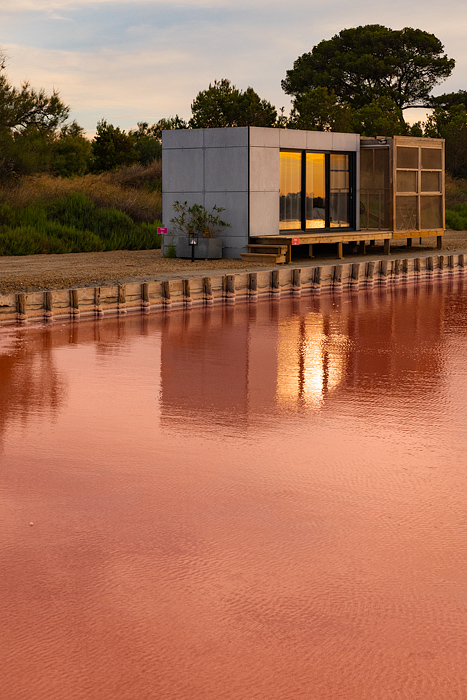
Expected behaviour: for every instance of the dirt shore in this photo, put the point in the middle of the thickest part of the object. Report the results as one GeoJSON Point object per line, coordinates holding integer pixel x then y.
{"type": "Point", "coordinates": [42, 272]}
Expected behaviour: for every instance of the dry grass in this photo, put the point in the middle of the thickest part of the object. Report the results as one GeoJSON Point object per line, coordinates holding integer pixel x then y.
{"type": "Point", "coordinates": [456, 191]}
{"type": "Point", "coordinates": [134, 190]}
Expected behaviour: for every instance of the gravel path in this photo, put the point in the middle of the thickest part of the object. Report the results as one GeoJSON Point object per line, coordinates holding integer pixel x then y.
{"type": "Point", "coordinates": [39, 272]}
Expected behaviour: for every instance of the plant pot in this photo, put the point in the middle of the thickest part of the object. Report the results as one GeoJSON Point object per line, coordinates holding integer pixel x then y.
{"type": "Point", "coordinates": [205, 249]}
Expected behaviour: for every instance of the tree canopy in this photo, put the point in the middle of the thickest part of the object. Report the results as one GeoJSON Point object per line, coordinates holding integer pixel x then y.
{"type": "Point", "coordinates": [363, 64]}
{"type": "Point", "coordinates": [450, 99]}
{"type": "Point", "coordinates": [111, 147]}
{"type": "Point", "coordinates": [25, 107]}
{"type": "Point", "coordinates": [222, 104]}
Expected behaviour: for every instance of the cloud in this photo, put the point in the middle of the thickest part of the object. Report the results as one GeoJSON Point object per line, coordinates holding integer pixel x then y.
{"type": "Point", "coordinates": [10, 6]}
{"type": "Point", "coordinates": [130, 60]}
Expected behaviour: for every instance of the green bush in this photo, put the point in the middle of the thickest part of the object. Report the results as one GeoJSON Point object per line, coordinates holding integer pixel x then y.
{"type": "Point", "coordinates": [457, 218]}
{"type": "Point", "coordinates": [72, 224]}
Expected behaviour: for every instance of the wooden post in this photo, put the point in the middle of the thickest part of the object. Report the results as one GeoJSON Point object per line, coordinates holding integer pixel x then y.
{"type": "Point", "coordinates": [275, 288]}
{"type": "Point", "coordinates": [383, 271]}
{"type": "Point", "coordinates": [362, 247]}
{"type": "Point", "coordinates": [121, 299]}
{"type": "Point", "coordinates": [207, 290]}
{"type": "Point", "coordinates": [370, 273]}
{"type": "Point", "coordinates": [296, 280]}
{"type": "Point", "coordinates": [289, 252]}
{"type": "Point", "coordinates": [97, 300]}
{"type": "Point", "coordinates": [186, 292]}
{"type": "Point", "coordinates": [74, 302]}
{"type": "Point", "coordinates": [310, 250]}
{"type": "Point", "coordinates": [229, 287]}
{"type": "Point", "coordinates": [439, 242]}
{"type": "Point", "coordinates": [166, 298]}
{"type": "Point", "coordinates": [145, 296]}
{"type": "Point", "coordinates": [48, 304]}
{"type": "Point", "coordinates": [317, 278]}
{"type": "Point", "coordinates": [355, 274]}
{"type": "Point", "coordinates": [340, 250]}
{"type": "Point", "coordinates": [253, 285]}
{"type": "Point", "coordinates": [337, 276]}
{"type": "Point", "coordinates": [387, 246]}
{"type": "Point", "coordinates": [21, 306]}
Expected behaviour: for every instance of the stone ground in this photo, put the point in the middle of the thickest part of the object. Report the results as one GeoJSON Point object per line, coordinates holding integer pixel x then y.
{"type": "Point", "coordinates": [43, 272]}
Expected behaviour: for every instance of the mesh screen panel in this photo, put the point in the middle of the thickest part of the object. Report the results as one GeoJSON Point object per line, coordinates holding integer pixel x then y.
{"type": "Point", "coordinates": [407, 157]}
{"type": "Point", "coordinates": [431, 213]}
{"type": "Point", "coordinates": [431, 181]}
{"type": "Point", "coordinates": [432, 158]}
{"type": "Point", "coordinates": [406, 213]}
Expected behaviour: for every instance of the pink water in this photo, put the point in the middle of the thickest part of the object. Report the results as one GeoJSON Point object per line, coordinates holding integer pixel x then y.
{"type": "Point", "coordinates": [254, 502]}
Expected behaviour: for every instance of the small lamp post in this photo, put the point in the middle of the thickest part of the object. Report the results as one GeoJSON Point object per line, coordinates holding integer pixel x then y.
{"type": "Point", "coordinates": [193, 242]}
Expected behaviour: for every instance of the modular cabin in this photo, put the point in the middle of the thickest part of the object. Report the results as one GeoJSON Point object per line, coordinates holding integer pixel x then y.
{"type": "Point", "coordinates": [281, 188]}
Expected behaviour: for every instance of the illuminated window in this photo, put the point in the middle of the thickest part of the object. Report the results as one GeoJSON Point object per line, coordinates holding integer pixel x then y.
{"type": "Point", "coordinates": [339, 195]}
{"type": "Point", "coordinates": [315, 207]}
{"type": "Point", "coordinates": [315, 191]}
{"type": "Point", "coordinates": [290, 196]}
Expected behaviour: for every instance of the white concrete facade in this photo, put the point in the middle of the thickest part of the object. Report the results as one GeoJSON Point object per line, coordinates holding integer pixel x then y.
{"type": "Point", "coordinates": [237, 168]}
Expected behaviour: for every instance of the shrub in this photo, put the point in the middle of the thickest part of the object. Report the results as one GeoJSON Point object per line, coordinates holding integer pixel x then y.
{"type": "Point", "coordinates": [197, 220]}
{"type": "Point", "coordinates": [457, 218]}
{"type": "Point", "coordinates": [110, 211]}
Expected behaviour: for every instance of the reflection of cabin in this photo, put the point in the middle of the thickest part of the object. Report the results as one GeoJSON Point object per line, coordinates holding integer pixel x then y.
{"type": "Point", "coordinates": [284, 187]}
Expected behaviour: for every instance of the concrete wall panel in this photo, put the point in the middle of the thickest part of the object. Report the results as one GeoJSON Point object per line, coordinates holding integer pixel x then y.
{"type": "Point", "coordinates": [170, 197]}
{"type": "Point", "coordinates": [183, 170]}
{"type": "Point", "coordinates": [183, 138]}
{"type": "Point", "coordinates": [234, 136]}
{"type": "Point", "coordinates": [265, 137]}
{"type": "Point", "coordinates": [292, 138]}
{"type": "Point", "coordinates": [345, 142]}
{"type": "Point", "coordinates": [319, 140]}
{"type": "Point", "coordinates": [264, 169]}
{"type": "Point", "coordinates": [264, 213]}
{"type": "Point", "coordinates": [236, 212]}
{"type": "Point", "coordinates": [226, 169]}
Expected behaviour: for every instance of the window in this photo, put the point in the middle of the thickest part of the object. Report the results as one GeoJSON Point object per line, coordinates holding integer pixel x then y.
{"type": "Point", "coordinates": [290, 197]}
{"type": "Point", "coordinates": [419, 188]}
{"type": "Point", "coordinates": [339, 191]}
{"type": "Point", "coordinates": [315, 190]}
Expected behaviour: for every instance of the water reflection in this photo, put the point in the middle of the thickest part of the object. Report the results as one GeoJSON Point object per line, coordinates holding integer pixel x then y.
{"type": "Point", "coordinates": [231, 364]}
{"type": "Point", "coordinates": [33, 385]}
{"type": "Point", "coordinates": [29, 380]}
{"type": "Point", "coordinates": [297, 354]}
{"type": "Point", "coordinates": [291, 530]}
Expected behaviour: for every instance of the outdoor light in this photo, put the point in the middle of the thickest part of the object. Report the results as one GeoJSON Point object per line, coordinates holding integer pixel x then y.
{"type": "Point", "coordinates": [193, 242]}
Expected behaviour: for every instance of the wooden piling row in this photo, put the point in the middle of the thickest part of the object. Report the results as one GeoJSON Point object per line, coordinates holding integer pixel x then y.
{"type": "Point", "coordinates": [176, 293]}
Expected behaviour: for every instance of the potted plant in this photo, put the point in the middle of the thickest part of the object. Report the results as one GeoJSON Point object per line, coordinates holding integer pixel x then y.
{"type": "Point", "coordinates": [197, 224]}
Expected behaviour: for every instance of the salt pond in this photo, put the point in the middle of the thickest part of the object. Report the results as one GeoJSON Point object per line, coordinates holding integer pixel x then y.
{"type": "Point", "coordinates": [260, 501]}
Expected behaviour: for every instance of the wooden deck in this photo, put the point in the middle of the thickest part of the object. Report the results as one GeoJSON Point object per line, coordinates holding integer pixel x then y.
{"type": "Point", "coordinates": [360, 238]}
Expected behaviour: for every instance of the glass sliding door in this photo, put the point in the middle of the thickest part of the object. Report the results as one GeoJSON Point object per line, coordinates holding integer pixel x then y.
{"type": "Point", "coordinates": [290, 195]}
{"type": "Point", "coordinates": [339, 190]}
{"type": "Point", "coordinates": [315, 195]}
{"type": "Point", "coordinates": [315, 191]}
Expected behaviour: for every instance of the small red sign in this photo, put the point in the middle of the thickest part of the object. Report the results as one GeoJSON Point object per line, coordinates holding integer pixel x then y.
{"type": "Point", "coordinates": [161, 231]}
{"type": "Point", "coordinates": [295, 241]}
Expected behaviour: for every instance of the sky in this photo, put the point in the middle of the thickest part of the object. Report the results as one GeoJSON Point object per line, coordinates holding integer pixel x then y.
{"type": "Point", "coordinates": [128, 61]}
